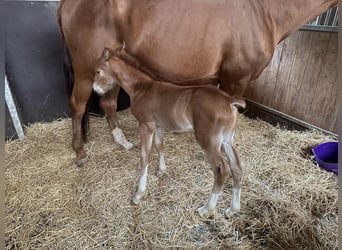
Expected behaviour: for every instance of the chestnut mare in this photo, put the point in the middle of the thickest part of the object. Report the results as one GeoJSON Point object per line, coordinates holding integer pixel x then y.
{"type": "Point", "coordinates": [160, 106]}
{"type": "Point", "coordinates": [229, 41]}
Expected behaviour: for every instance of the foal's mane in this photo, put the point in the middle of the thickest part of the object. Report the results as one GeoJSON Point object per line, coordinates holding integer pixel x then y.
{"type": "Point", "coordinates": [132, 61]}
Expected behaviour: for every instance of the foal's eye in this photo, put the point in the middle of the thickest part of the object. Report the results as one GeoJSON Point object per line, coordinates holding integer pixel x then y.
{"type": "Point", "coordinates": [97, 72]}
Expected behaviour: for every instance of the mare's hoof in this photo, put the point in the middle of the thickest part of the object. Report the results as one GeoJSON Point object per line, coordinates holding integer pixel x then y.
{"type": "Point", "coordinates": [81, 162]}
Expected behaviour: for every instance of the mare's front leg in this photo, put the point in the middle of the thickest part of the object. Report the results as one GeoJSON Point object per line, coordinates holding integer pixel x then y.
{"type": "Point", "coordinates": [160, 148]}
{"type": "Point", "coordinates": [146, 134]}
{"type": "Point", "coordinates": [108, 103]}
{"type": "Point", "coordinates": [77, 102]}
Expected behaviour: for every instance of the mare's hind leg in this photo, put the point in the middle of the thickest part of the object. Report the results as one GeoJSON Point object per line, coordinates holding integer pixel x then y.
{"type": "Point", "coordinates": [212, 147]}
{"type": "Point", "coordinates": [160, 148]}
{"type": "Point", "coordinates": [237, 170]}
{"type": "Point", "coordinates": [78, 101]}
{"type": "Point", "coordinates": [108, 103]}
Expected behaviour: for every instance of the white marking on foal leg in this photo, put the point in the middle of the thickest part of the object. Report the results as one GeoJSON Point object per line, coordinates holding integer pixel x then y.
{"type": "Point", "coordinates": [141, 187]}
{"type": "Point", "coordinates": [162, 165]}
{"type": "Point", "coordinates": [208, 208]}
{"type": "Point", "coordinates": [235, 203]}
{"type": "Point", "coordinates": [158, 136]}
{"type": "Point", "coordinates": [120, 138]}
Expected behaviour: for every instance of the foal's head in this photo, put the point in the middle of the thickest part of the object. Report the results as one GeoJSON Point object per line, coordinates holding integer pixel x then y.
{"type": "Point", "coordinates": [105, 77]}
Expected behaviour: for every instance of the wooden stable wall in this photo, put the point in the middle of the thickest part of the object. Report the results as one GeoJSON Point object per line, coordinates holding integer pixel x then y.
{"type": "Point", "coordinates": [301, 79]}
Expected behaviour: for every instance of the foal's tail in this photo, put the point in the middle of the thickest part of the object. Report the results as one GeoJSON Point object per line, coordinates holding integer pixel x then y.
{"type": "Point", "coordinates": [237, 102]}
{"type": "Point", "coordinates": [69, 75]}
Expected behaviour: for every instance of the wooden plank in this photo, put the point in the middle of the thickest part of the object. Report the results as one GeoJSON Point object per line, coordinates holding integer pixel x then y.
{"type": "Point", "coordinates": [283, 87]}
{"type": "Point", "coordinates": [301, 79]}
{"type": "Point", "coordinates": [271, 76]}
{"type": "Point", "coordinates": [326, 89]}
{"type": "Point", "coordinates": [298, 73]}
{"type": "Point", "coordinates": [305, 99]}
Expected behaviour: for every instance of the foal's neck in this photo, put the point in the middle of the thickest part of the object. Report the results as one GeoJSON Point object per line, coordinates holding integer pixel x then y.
{"type": "Point", "coordinates": [128, 76]}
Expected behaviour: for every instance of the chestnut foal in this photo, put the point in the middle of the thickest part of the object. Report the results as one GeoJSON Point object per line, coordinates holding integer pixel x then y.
{"type": "Point", "coordinates": [160, 106]}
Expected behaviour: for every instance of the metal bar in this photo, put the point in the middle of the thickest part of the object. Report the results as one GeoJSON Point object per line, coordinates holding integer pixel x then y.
{"type": "Point", "coordinates": [335, 18]}
{"type": "Point", "coordinates": [13, 110]}
{"type": "Point", "coordinates": [327, 17]}
{"type": "Point", "coordinates": [315, 21]}
{"type": "Point", "coordinates": [328, 21]}
{"type": "Point", "coordinates": [320, 28]}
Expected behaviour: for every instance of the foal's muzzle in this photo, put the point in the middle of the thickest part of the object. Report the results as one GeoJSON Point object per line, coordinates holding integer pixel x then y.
{"type": "Point", "coordinates": [98, 89]}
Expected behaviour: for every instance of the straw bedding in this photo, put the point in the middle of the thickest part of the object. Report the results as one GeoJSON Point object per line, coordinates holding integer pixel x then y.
{"type": "Point", "coordinates": [287, 202]}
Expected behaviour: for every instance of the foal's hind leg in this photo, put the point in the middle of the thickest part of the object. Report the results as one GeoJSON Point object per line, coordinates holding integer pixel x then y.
{"type": "Point", "coordinates": [77, 102]}
{"type": "Point", "coordinates": [108, 103]}
{"type": "Point", "coordinates": [160, 148]}
{"type": "Point", "coordinates": [221, 172]}
{"type": "Point", "coordinates": [146, 134]}
{"type": "Point", "coordinates": [237, 170]}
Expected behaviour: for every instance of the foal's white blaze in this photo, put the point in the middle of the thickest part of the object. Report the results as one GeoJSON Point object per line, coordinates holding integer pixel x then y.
{"type": "Point", "coordinates": [98, 89]}
{"type": "Point", "coordinates": [141, 187]}
{"type": "Point", "coordinates": [235, 204]}
{"type": "Point", "coordinates": [120, 138]}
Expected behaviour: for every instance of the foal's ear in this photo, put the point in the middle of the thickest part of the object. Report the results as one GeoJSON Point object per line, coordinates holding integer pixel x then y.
{"type": "Point", "coordinates": [106, 54]}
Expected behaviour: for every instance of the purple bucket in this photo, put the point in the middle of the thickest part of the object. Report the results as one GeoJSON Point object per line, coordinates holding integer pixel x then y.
{"type": "Point", "coordinates": [326, 155]}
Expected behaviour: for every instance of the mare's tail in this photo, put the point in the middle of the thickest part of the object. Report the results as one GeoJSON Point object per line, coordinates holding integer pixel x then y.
{"type": "Point", "coordinates": [69, 76]}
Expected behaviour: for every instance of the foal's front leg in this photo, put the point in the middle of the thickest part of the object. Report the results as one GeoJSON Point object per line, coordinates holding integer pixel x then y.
{"type": "Point", "coordinates": [146, 134]}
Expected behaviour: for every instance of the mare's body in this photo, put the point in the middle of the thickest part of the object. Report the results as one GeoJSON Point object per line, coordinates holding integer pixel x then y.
{"type": "Point", "coordinates": [228, 41]}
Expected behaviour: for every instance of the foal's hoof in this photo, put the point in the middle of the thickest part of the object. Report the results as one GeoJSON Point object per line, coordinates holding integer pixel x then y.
{"type": "Point", "coordinates": [204, 212]}
{"type": "Point", "coordinates": [127, 145]}
{"type": "Point", "coordinates": [230, 212]}
{"type": "Point", "coordinates": [160, 173]}
{"type": "Point", "coordinates": [120, 139]}
{"type": "Point", "coordinates": [137, 197]}
{"type": "Point", "coordinates": [135, 200]}
{"type": "Point", "coordinates": [81, 162]}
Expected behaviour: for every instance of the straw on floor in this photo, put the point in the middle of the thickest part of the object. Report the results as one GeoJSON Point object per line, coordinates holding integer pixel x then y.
{"type": "Point", "coordinates": [287, 202]}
